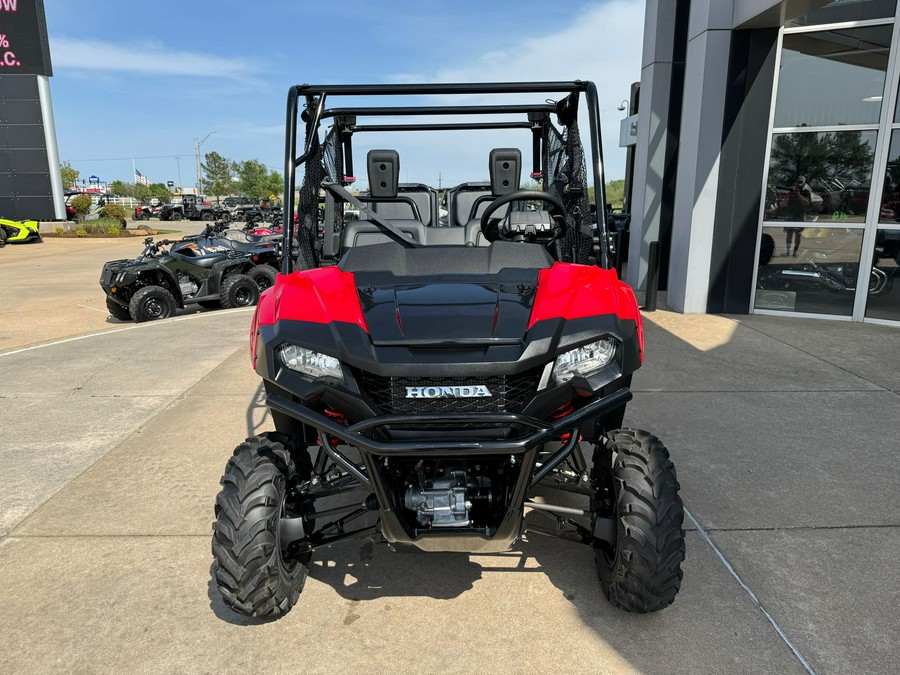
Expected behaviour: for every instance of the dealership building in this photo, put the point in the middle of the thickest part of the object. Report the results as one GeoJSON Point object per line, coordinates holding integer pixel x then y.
{"type": "Point", "coordinates": [767, 157]}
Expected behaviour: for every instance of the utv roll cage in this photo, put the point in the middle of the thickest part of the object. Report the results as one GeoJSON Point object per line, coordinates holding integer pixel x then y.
{"type": "Point", "coordinates": [328, 164]}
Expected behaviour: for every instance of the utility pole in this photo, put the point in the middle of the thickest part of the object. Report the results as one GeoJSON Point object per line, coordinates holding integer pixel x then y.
{"type": "Point", "coordinates": [197, 145]}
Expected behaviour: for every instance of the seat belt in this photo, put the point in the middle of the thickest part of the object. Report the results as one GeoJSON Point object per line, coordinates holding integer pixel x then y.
{"type": "Point", "coordinates": [388, 229]}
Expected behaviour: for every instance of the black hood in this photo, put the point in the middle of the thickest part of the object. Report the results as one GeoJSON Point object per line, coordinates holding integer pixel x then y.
{"type": "Point", "coordinates": [444, 313]}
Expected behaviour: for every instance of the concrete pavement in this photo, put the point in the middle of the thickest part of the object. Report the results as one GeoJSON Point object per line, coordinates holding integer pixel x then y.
{"type": "Point", "coordinates": [785, 446]}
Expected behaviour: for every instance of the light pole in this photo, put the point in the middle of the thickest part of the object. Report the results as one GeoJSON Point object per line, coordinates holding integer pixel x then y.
{"type": "Point", "coordinates": [197, 145]}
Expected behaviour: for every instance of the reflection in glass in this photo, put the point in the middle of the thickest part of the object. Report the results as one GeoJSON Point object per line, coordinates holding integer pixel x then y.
{"type": "Point", "coordinates": [832, 77]}
{"type": "Point", "coordinates": [847, 10]}
{"type": "Point", "coordinates": [890, 199]}
{"type": "Point", "coordinates": [810, 269]}
{"type": "Point", "coordinates": [823, 176]}
{"type": "Point", "coordinates": [884, 282]}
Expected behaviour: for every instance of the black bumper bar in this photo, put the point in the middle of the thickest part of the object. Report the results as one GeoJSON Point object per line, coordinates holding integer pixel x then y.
{"type": "Point", "coordinates": [540, 431]}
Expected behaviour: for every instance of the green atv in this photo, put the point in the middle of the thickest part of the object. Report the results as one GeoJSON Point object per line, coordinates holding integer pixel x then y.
{"type": "Point", "coordinates": [159, 281]}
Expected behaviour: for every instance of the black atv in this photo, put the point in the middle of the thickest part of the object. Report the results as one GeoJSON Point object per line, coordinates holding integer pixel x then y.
{"type": "Point", "coordinates": [159, 281]}
{"type": "Point", "coordinates": [448, 387]}
{"type": "Point", "coordinates": [217, 238]}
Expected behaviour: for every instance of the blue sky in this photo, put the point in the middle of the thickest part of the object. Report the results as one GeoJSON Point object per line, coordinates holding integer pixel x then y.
{"type": "Point", "coordinates": [143, 79]}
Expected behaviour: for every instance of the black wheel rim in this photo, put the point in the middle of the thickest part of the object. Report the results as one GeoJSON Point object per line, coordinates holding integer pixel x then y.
{"type": "Point", "coordinates": [155, 308]}
{"type": "Point", "coordinates": [263, 282]}
{"type": "Point", "coordinates": [243, 296]}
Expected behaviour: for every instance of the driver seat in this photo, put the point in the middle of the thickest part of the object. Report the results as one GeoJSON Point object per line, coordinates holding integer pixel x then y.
{"type": "Point", "coordinates": [505, 166]}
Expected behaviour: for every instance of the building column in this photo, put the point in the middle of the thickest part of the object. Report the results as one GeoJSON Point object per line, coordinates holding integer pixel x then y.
{"type": "Point", "coordinates": [657, 139]}
{"type": "Point", "coordinates": [700, 144]}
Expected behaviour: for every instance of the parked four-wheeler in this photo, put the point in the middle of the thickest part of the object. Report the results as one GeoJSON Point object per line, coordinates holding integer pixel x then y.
{"type": "Point", "coordinates": [217, 238]}
{"type": "Point", "coordinates": [190, 207]}
{"type": "Point", "coordinates": [446, 388]}
{"type": "Point", "coordinates": [71, 215]}
{"type": "Point", "coordinates": [147, 211]}
{"type": "Point", "coordinates": [19, 232]}
{"type": "Point", "coordinates": [159, 281]}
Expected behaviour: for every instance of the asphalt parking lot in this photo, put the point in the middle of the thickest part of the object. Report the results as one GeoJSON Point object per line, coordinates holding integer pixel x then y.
{"type": "Point", "coordinates": [784, 432]}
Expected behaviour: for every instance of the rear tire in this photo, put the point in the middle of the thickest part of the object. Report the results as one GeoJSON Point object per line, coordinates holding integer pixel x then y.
{"type": "Point", "coordinates": [152, 303]}
{"type": "Point", "coordinates": [145, 216]}
{"type": "Point", "coordinates": [251, 572]}
{"type": "Point", "coordinates": [120, 312]}
{"type": "Point", "coordinates": [264, 276]}
{"type": "Point", "coordinates": [238, 290]}
{"type": "Point", "coordinates": [636, 484]}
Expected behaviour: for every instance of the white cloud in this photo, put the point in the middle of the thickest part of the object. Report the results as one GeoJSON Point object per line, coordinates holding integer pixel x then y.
{"type": "Point", "coordinates": [604, 45]}
{"type": "Point", "coordinates": [146, 58]}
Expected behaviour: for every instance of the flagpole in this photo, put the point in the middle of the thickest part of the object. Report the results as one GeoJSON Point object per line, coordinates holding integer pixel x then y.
{"type": "Point", "coordinates": [133, 170]}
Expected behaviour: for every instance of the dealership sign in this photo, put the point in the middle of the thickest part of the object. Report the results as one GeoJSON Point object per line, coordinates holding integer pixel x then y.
{"type": "Point", "coordinates": [24, 48]}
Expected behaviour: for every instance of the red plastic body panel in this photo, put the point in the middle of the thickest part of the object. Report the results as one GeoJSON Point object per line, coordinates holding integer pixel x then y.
{"type": "Point", "coordinates": [319, 296]}
{"type": "Point", "coordinates": [567, 291]}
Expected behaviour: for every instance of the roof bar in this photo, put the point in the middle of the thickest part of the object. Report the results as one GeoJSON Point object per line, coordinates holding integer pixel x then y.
{"type": "Point", "coordinates": [449, 126]}
{"type": "Point", "coordinates": [442, 110]}
{"type": "Point", "coordinates": [442, 88]}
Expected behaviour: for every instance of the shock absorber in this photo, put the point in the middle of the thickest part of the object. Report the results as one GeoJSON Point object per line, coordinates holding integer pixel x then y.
{"type": "Point", "coordinates": [338, 417]}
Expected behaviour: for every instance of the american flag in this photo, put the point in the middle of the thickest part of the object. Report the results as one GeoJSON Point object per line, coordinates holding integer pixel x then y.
{"type": "Point", "coordinates": [140, 179]}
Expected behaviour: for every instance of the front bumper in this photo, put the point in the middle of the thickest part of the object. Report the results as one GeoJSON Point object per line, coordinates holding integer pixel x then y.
{"type": "Point", "coordinates": [533, 434]}
{"type": "Point", "coordinates": [541, 431]}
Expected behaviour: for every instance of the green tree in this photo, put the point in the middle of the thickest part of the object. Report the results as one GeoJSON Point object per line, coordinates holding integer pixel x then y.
{"type": "Point", "coordinates": [217, 174]}
{"type": "Point", "coordinates": [121, 189]}
{"type": "Point", "coordinates": [275, 184]}
{"type": "Point", "coordinates": [615, 193]}
{"type": "Point", "coordinates": [160, 191]}
{"type": "Point", "coordinates": [69, 175]}
{"type": "Point", "coordinates": [141, 192]}
{"type": "Point", "coordinates": [253, 178]}
{"type": "Point", "coordinates": [82, 205]}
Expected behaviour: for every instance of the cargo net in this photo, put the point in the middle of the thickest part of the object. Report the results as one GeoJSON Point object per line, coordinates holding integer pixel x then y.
{"type": "Point", "coordinates": [565, 177]}
{"type": "Point", "coordinates": [325, 162]}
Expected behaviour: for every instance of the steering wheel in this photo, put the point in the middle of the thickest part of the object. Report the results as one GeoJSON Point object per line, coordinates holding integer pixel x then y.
{"type": "Point", "coordinates": [556, 209]}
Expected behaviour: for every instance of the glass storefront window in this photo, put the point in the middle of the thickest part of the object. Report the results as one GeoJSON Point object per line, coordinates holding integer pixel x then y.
{"type": "Point", "coordinates": [890, 199]}
{"type": "Point", "coordinates": [847, 10]}
{"type": "Point", "coordinates": [808, 269]}
{"type": "Point", "coordinates": [820, 177]}
{"type": "Point", "coordinates": [833, 77]}
{"type": "Point", "coordinates": [883, 298]}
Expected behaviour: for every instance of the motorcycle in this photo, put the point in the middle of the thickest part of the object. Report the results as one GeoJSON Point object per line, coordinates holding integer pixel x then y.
{"type": "Point", "coordinates": [816, 273]}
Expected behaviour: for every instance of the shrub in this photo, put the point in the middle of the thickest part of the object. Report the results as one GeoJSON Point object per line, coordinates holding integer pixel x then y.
{"type": "Point", "coordinates": [114, 212]}
{"type": "Point", "coordinates": [82, 205]}
{"type": "Point", "coordinates": [81, 232]}
{"type": "Point", "coordinates": [102, 226]}
{"type": "Point", "coordinates": [113, 230]}
{"type": "Point", "coordinates": [59, 230]}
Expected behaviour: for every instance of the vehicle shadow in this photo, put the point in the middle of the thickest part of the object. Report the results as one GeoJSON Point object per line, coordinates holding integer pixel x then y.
{"type": "Point", "coordinates": [257, 415]}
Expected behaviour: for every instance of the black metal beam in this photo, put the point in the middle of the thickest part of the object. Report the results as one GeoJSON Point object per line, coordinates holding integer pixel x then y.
{"type": "Point", "coordinates": [443, 88]}
{"type": "Point", "coordinates": [388, 111]}
{"type": "Point", "coordinates": [449, 126]}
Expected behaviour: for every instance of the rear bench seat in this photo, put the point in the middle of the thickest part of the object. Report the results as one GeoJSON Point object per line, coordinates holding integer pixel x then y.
{"type": "Point", "coordinates": [364, 233]}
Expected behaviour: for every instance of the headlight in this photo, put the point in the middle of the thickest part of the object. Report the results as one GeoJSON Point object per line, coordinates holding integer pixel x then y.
{"type": "Point", "coordinates": [584, 360]}
{"type": "Point", "coordinates": [310, 363]}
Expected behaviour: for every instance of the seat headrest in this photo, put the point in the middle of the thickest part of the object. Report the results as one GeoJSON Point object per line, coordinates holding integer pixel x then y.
{"type": "Point", "coordinates": [384, 173]}
{"type": "Point", "coordinates": [506, 170]}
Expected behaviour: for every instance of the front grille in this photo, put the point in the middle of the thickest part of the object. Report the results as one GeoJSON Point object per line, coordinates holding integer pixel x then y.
{"type": "Point", "coordinates": [509, 393]}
